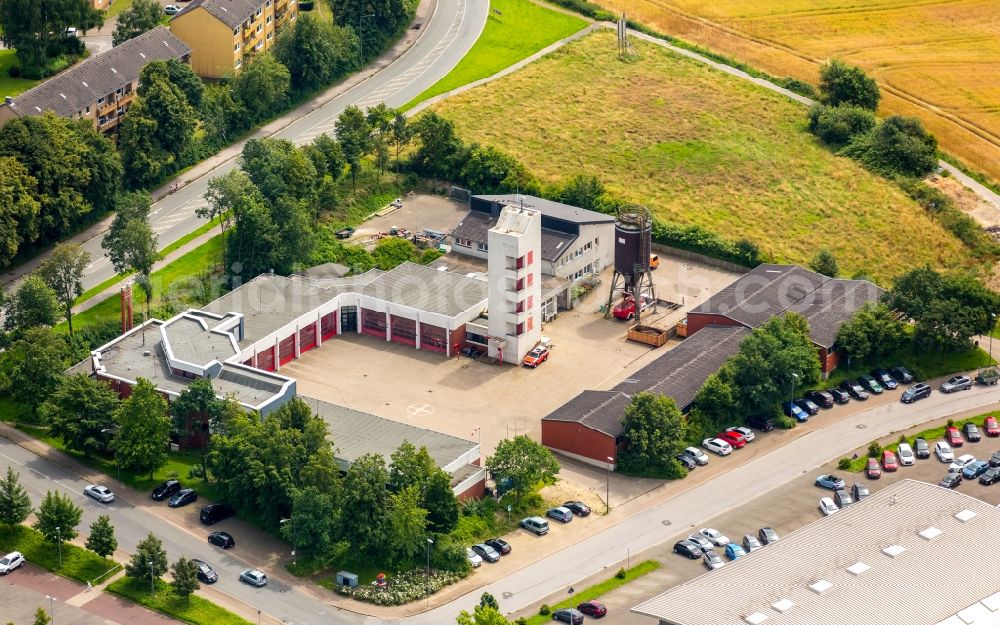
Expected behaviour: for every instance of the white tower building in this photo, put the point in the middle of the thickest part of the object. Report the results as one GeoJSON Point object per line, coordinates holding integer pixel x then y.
{"type": "Point", "coordinates": [515, 292]}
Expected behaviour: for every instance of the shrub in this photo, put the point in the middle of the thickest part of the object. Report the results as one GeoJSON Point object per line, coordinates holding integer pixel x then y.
{"type": "Point", "coordinates": [784, 422]}
{"type": "Point", "coordinates": [621, 573]}
{"type": "Point", "coordinates": [837, 125]}
{"type": "Point", "coordinates": [798, 86]}
{"type": "Point", "coordinates": [951, 423]}
{"type": "Point", "coordinates": [844, 464]}
{"type": "Point", "coordinates": [521, 621]}
{"type": "Point", "coordinates": [845, 84]}
{"type": "Point", "coordinates": [545, 610]}
{"type": "Point", "coordinates": [874, 449]}
{"type": "Point", "coordinates": [699, 240]}
{"type": "Point", "coordinates": [899, 146]}
{"type": "Point", "coordinates": [403, 588]}
{"type": "Point", "coordinates": [449, 555]}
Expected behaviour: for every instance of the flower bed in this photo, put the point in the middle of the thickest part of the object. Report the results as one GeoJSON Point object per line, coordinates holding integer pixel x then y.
{"type": "Point", "coordinates": [403, 588]}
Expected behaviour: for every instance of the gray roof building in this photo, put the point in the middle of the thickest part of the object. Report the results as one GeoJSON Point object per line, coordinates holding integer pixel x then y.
{"type": "Point", "coordinates": [883, 561]}
{"type": "Point", "coordinates": [476, 225]}
{"type": "Point", "coordinates": [597, 410]}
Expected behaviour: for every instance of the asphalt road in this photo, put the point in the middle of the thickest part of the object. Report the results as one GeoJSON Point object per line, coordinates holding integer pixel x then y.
{"type": "Point", "coordinates": [448, 34]}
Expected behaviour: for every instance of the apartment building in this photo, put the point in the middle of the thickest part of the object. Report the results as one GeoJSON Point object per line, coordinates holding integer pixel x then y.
{"type": "Point", "coordinates": [100, 88]}
{"type": "Point", "coordinates": [223, 33]}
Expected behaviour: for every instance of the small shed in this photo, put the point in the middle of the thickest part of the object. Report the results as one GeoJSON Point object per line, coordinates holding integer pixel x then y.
{"type": "Point", "coordinates": [347, 579]}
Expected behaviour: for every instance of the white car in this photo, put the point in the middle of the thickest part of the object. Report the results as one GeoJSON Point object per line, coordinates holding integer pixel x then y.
{"type": "Point", "coordinates": [474, 558]}
{"type": "Point", "coordinates": [827, 507]}
{"type": "Point", "coordinates": [905, 454]}
{"type": "Point", "coordinates": [717, 446]}
{"type": "Point", "coordinates": [714, 536]}
{"type": "Point", "coordinates": [702, 542]}
{"type": "Point", "coordinates": [960, 463]}
{"type": "Point", "coordinates": [171, 9]}
{"type": "Point", "coordinates": [102, 494]}
{"type": "Point", "coordinates": [11, 561]}
{"type": "Point", "coordinates": [713, 560]}
{"type": "Point", "coordinates": [253, 577]}
{"type": "Point", "coordinates": [943, 451]}
{"type": "Point", "coordinates": [698, 455]}
{"type": "Point", "coordinates": [747, 433]}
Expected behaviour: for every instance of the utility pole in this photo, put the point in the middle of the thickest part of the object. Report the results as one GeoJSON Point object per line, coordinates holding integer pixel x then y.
{"type": "Point", "coordinates": [59, 544]}
{"type": "Point", "coordinates": [361, 39]}
{"type": "Point", "coordinates": [607, 487]}
{"type": "Point", "coordinates": [427, 577]}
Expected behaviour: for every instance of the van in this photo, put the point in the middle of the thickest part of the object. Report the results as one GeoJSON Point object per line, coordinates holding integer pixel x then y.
{"type": "Point", "coordinates": [536, 524]}
{"type": "Point", "coordinates": [763, 423]}
{"type": "Point", "coordinates": [654, 261]}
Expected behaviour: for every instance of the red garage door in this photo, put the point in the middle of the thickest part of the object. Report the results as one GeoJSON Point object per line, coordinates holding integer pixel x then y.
{"type": "Point", "coordinates": [265, 359]}
{"type": "Point", "coordinates": [433, 338]}
{"type": "Point", "coordinates": [307, 338]}
{"type": "Point", "coordinates": [373, 323]}
{"type": "Point", "coordinates": [286, 349]}
{"type": "Point", "coordinates": [328, 325]}
{"type": "Point", "coordinates": [404, 330]}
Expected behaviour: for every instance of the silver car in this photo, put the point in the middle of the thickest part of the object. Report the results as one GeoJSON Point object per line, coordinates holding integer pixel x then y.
{"type": "Point", "coordinates": [956, 383]}
{"type": "Point", "coordinates": [697, 455]}
{"type": "Point", "coordinates": [254, 578]}
{"type": "Point", "coordinates": [750, 543]}
{"type": "Point", "coordinates": [100, 493]}
{"type": "Point", "coordinates": [713, 560]}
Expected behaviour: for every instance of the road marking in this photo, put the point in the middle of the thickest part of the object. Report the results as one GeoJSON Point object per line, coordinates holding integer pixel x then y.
{"type": "Point", "coordinates": [20, 464]}
{"type": "Point", "coordinates": [414, 410]}
{"type": "Point", "coordinates": [69, 488]}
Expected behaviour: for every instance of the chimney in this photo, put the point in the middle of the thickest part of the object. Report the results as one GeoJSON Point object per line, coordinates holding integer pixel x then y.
{"type": "Point", "coordinates": [126, 308]}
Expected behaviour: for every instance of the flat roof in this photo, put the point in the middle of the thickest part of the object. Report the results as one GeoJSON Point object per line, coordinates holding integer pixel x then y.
{"type": "Point", "coordinates": [549, 208]}
{"type": "Point", "coordinates": [911, 554]}
{"type": "Point", "coordinates": [431, 290]}
{"type": "Point", "coordinates": [191, 342]}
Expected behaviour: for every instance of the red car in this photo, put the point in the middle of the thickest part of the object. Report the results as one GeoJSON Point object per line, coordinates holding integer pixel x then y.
{"type": "Point", "coordinates": [626, 310]}
{"type": "Point", "coordinates": [536, 357]}
{"type": "Point", "coordinates": [991, 426]}
{"type": "Point", "coordinates": [735, 439]}
{"type": "Point", "coordinates": [593, 608]}
{"type": "Point", "coordinates": [889, 462]}
{"type": "Point", "coordinates": [874, 471]}
{"type": "Point", "coordinates": [954, 437]}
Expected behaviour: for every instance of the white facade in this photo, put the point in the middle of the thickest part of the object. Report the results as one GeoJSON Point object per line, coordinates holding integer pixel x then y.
{"type": "Point", "coordinates": [515, 282]}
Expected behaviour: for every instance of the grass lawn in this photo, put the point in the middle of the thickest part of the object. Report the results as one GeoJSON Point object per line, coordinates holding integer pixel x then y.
{"type": "Point", "coordinates": [598, 590]}
{"type": "Point", "coordinates": [521, 29]}
{"type": "Point", "coordinates": [194, 609]}
{"type": "Point", "coordinates": [77, 563]}
{"type": "Point", "coordinates": [117, 6]}
{"type": "Point", "coordinates": [12, 86]}
{"type": "Point", "coordinates": [698, 146]}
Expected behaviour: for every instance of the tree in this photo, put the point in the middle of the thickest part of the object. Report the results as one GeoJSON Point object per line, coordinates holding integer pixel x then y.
{"type": "Point", "coordinates": [407, 524]}
{"type": "Point", "coordinates": [316, 52]}
{"type": "Point", "coordinates": [525, 463]}
{"type": "Point", "coordinates": [280, 170]}
{"type": "Point", "coordinates": [482, 615]}
{"type": "Point", "coordinates": [42, 617]}
{"type": "Point", "coordinates": [366, 499]}
{"type": "Point", "coordinates": [441, 151]}
{"type": "Point", "coordinates": [872, 333]}
{"type": "Point", "coordinates": [19, 208]}
{"type": "Point", "coordinates": [824, 262]}
{"type": "Point", "coordinates": [714, 405]}
{"type": "Point", "coordinates": [141, 16]}
{"type": "Point", "coordinates": [653, 430]}
{"type": "Point", "coordinates": [145, 160]}
{"type": "Point", "coordinates": [198, 399]}
{"type": "Point", "coordinates": [36, 362]}
{"type": "Point", "coordinates": [311, 525]}
{"type": "Point", "coordinates": [440, 503]}
{"type": "Point", "coordinates": [837, 125]}
{"type": "Point", "coordinates": [332, 152]}
{"type": "Point", "coordinates": [140, 443]}
{"type": "Point", "coordinates": [227, 198]}
{"type": "Point", "coordinates": [57, 517]}
{"type": "Point", "coordinates": [35, 29]}
{"type": "Point", "coordinates": [355, 137]}
{"type": "Point", "coordinates": [184, 78]}
{"type": "Point", "coordinates": [899, 146]}
{"type": "Point", "coordinates": [148, 560]}
{"type": "Point", "coordinates": [185, 577]}
{"type": "Point", "coordinates": [102, 537]}
{"type": "Point", "coordinates": [391, 252]}
{"type": "Point", "coordinates": [131, 242]}
{"type": "Point", "coordinates": [262, 87]}
{"type": "Point", "coordinates": [401, 134]}
{"type": "Point", "coordinates": [375, 22]}
{"type": "Point", "coordinates": [409, 466]}
{"type": "Point", "coordinates": [490, 170]}
{"type": "Point", "coordinates": [80, 412]}
{"type": "Point", "coordinates": [583, 191]}
{"type": "Point", "coordinates": [33, 304]}
{"type": "Point", "coordinates": [840, 83]}
{"type": "Point", "coordinates": [63, 272]}
{"type": "Point", "coordinates": [15, 505]}
{"type": "Point", "coordinates": [168, 106]}
{"type": "Point", "coordinates": [222, 114]}
{"type": "Point", "coordinates": [488, 601]}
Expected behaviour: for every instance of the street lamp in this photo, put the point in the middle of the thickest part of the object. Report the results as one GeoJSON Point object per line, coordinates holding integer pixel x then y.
{"type": "Point", "coordinates": [59, 544]}
{"type": "Point", "coordinates": [607, 487]}
{"type": "Point", "coordinates": [361, 38]}
{"type": "Point", "coordinates": [427, 577]}
{"type": "Point", "coordinates": [791, 400]}
{"type": "Point", "coordinates": [993, 316]}
{"type": "Point", "coordinates": [282, 522]}
{"type": "Point", "coordinates": [51, 599]}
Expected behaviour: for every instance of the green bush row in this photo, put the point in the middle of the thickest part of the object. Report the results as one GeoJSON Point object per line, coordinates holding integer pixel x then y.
{"type": "Point", "coordinates": [77, 563]}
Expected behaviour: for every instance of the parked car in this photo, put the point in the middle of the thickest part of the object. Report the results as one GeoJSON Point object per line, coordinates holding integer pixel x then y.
{"type": "Point", "coordinates": [734, 551]}
{"type": "Point", "coordinates": [687, 461]}
{"type": "Point", "coordinates": [989, 376]}
{"type": "Point", "coordinates": [915, 393]}
{"type": "Point", "coordinates": [860, 492]}
{"type": "Point", "coordinates": [11, 561]}
{"type": "Point", "coordinates": [165, 490]}
{"type": "Point", "coordinates": [735, 440]}
{"type": "Point", "coordinates": [699, 456]}
{"type": "Point", "coordinates": [701, 541]}
{"type": "Point", "coordinates": [578, 508]}
{"type": "Point", "coordinates": [746, 433]}
{"type": "Point", "coordinates": [253, 577]}
{"type": "Point", "coordinates": [714, 536]}
{"type": "Point", "coordinates": [535, 524]}
{"type": "Point", "coordinates": [792, 409]}
{"type": "Point", "coordinates": [215, 512]}
{"type": "Point", "coordinates": [885, 379]}
{"type": "Point", "coordinates": [956, 383]}
{"type": "Point", "coordinates": [626, 309]}
{"type": "Point", "coordinates": [943, 451]}
{"type": "Point", "coordinates": [717, 446]}
{"type": "Point", "coordinates": [953, 436]}
{"type": "Point", "coordinates": [713, 560]}
{"type": "Point", "coordinates": [854, 390]}
{"type": "Point", "coordinates": [102, 494]}
{"type": "Point", "coordinates": [902, 374]}
{"type": "Point", "coordinates": [995, 459]}
{"type": "Point", "coordinates": [905, 454]}
{"type": "Point", "coordinates": [221, 539]}
{"type": "Point", "coordinates": [502, 547]}
{"type": "Point", "coordinates": [951, 480]}
{"type": "Point", "coordinates": [921, 449]}
{"type": "Point", "coordinates": [961, 462]}
{"type": "Point", "coordinates": [767, 535]}
{"type": "Point", "coordinates": [842, 499]}
{"type": "Point", "coordinates": [831, 482]}
{"type": "Point", "coordinates": [475, 560]}
{"type": "Point", "coordinates": [873, 471]}
{"type": "Point", "coordinates": [840, 396]}
{"type": "Point", "coordinates": [991, 427]}
{"type": "Point", "coordinates": [971, 433]}
{"type": "Point", "coordinates": [990, 476]}
{"type": "Point", "coordinates": [751, 543]}
{"type": "Point", "coordinates": [536, 356]}
{"type": "Point", "coordinates": [560, 513]}
{"type": "Point", "coordinates": [975, 469]}
{"type": "Point", "coordinates": [206, 573]}
{"type": "Point", "coordinates": [595, 609]}
{"type": "Point", "coordinates": [183, 497]}
{"type": "Point", "coordinates": [808, 405]}
{"type": "Point", "coordinates": [827, 507]}
{"type": "Point", "coordinates": [568, 615]}
{"type": "Point", "coordinates": [486, 552]}
{"type": "Point", "coordinates": [870, 384]}
{"type": "Point", "coordinates": [889, 462]}
{"type": "Point", "coordinates": [764, 423]}
{"type": "Point", "coordinates": [689, 549]}
{"type": "Point", "coordinates": [821, 398]}
{"type": "Point", "coordinates": [171, 9]}
{"type": "Point", "coordinates": [344, 233]}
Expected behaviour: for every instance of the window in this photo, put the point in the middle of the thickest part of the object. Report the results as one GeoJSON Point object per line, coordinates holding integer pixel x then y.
{"type": "Point", "coordinates": [519, 263]}
{"type": "Point", "coordinates": [270, 36]}
{"type": "Point", "coordinates": [269, 18]}
{"type": "Point", "coordinates": [100, 100]}
{"type": "Point", "coordinates": [463, 242]}
{"type": "Point", "coordinates": [236, 31]}
{"type": "Point", "coordinates": [519, 329]}
{"type": "Point", "coordinates": [258, 28]}
{"type": "Point", "coordinates": [482, 247]}
{"type": "Point", "coordinates": [531, 256]}
{"type": "Point", "coordinates": [88, 108]}
{"type": "Point", "coordinates": [259, 9]}
{"type": "Point", "coordinates": [236, 48]}
{"type": "Point", "coordinates": [531, 279]}
{"type": "Point", "coordinates": [531, 323]}
{"type": "Point", "coordinates": [531, 302]}
{"type": "Point", "coordinates": [519, 308]}
{"type": "Point", "coordinates": [519, 286]}
{"type": "Point", "coordinates": [238, 63]}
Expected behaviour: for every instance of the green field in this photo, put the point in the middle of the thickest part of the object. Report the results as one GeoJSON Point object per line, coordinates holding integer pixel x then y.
{"type": "Point", "coordinates": [12, 86]}
{"type": "Point", "coordinates": [522, 29]}
{"type": "Point", "coordinates": [698, 146]}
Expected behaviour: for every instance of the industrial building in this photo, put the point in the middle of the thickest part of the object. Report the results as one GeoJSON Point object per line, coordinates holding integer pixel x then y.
{"type": "Point", "coordinates": [912, 553]}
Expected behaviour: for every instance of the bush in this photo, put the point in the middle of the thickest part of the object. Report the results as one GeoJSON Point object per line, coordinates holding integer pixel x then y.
{"type": "Point", "coordinates": [798, 86]}
{"type": "Point", "coordinates": [403, 588]}
{"type": "Point", "coordinates": [621, 573]}
{"type": "Point", "coordinates": [899, 146]}
{"type": "Point", "coordinates": [837, 125]}
{"type": "Point", "coordinates": [545, 610]}
{"type": "Point", "coordinates": [306, 5]}
{"type": "Point", "coordinates": [14, 71]}
{"type": "Point", "coordinates": [701, 241]}
{"type": "Point", "coordinates": [449, 555]}
{"type": "Point", "coordinates": [874, 449]}
{"type": "Point", "coordinates": [844, 464]}
{"type": "Point", "coordinates": [521, 621]}
{"type": "Point", "coordinates": [845, 84]}
{"type": "Point", "coordinates": [784, 422]}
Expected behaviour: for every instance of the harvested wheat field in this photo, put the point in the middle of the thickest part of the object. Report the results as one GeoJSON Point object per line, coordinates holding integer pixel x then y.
{"type": "Point", "coordinates": [939, 60]}
{"type": "Point", "coordinates": [700, 147]}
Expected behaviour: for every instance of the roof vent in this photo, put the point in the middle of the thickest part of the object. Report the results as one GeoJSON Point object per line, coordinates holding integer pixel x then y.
{"type": "Point", "coordinates": [142, 55]}
{"type": "Point", "coordinates": [84, 83]}
{"type": "Point", "coordinates": [820, 587]}
{"type": "Point", "coordinates": [894, 550]}
{"type": "Point", "coordinates": [62, 95]}
{"type": "Point", "coordinates": [782, 606]}
{"type": "Point", "coordinates": [965, 515]}
{"type": "Point", "coordinates": [858, 569]}
{"type": "Point", "coordinates": [114, 70]}
{"type": "Point", "coordinates": [755, 619]}
{"type": "Point", "coordinates": [930, 533]}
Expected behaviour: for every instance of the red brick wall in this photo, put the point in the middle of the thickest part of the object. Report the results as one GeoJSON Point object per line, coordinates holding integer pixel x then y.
{"type": "Point", "coordinates": [697, 321]}
{"type": "Point", "coordinates": [828, 361]}
{"type": "Point", "coordinates": [478, 491]}
{"type": "Point", "coordinates": [578, 439]}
